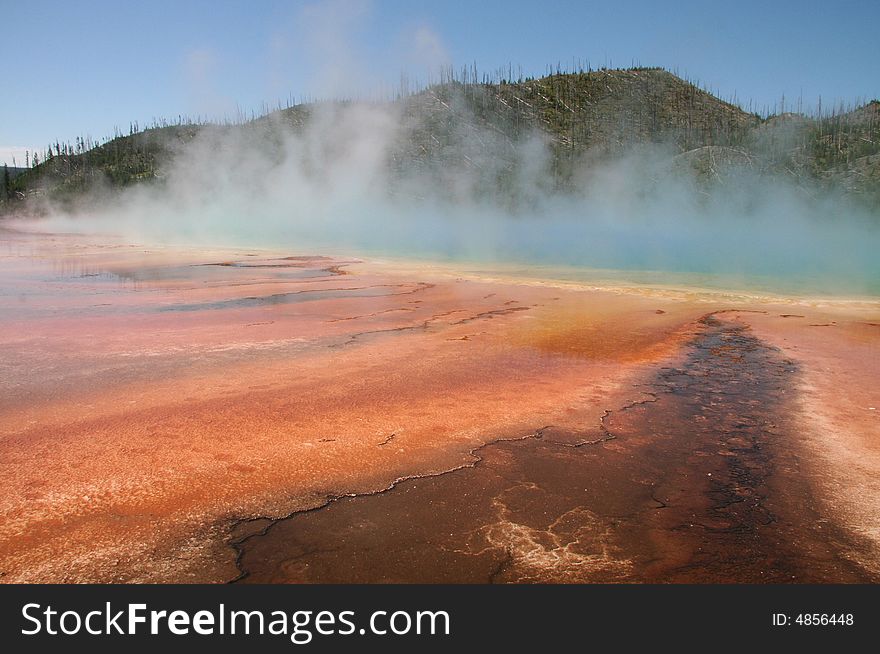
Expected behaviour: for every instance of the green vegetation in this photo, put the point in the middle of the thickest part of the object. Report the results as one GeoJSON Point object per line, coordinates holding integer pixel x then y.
{"type": "Point", "coordinates": [582, 116]}
{"type": "Point", "coordinates": [64, 172]}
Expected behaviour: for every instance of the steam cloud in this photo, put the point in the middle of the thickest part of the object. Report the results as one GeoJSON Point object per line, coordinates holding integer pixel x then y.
{"type": "Point", "coordinates": [332, 185]}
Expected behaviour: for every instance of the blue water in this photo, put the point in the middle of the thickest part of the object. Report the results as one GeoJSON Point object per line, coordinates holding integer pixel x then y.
{"type": "Point", "coordinates": [843, 263]}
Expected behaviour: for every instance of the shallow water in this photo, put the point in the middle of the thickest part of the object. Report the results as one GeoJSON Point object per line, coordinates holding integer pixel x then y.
{"type": "Point", "coordinates": [836, 256]}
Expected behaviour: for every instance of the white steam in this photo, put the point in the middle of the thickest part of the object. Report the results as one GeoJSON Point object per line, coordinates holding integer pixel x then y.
{"type": "Point", "coordinates": [339, 184]}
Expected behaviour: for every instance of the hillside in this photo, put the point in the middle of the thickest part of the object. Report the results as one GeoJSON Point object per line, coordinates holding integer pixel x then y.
{"type": "Point", "coordinates": [581, 116]}
{"type": "Point", "coordinates": [605, 109]}
{"type": "Point", "coordinates": [600, 114]}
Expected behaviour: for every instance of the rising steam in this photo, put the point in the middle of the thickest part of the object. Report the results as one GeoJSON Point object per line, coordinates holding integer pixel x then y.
{"type": "Point", "coordinates": [333, 184]}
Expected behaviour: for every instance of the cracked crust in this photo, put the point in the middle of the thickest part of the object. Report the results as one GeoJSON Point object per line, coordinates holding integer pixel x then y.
{"type": "Point", "coordinates": [709, 444]}
{"type": "Point", "coordinates": [138, 442]}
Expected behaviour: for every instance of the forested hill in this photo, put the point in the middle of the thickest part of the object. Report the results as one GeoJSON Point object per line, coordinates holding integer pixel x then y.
{"type": "Point", "coordinates": [582, 116]}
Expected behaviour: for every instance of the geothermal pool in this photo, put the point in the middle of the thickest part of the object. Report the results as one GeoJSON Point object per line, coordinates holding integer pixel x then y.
{"type": "Point", "coordinates": [194, 415]}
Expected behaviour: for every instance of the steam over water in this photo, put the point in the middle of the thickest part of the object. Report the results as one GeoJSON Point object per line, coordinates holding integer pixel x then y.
{"type": "Point", "coordinates": [333, 186]}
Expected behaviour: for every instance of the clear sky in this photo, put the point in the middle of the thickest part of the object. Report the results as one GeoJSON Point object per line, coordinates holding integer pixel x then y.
{"type": "Point", "coordinates": [81, 68]}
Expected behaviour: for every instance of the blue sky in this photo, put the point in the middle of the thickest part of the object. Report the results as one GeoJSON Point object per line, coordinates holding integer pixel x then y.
{"type": "Point", "coordinates": [75, 68]}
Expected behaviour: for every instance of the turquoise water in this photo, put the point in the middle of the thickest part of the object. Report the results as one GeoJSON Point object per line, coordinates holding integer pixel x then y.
{"type": "Point", "coordinates": [812, 253]}
{"type": "Point", "coordinates": [843, 264]}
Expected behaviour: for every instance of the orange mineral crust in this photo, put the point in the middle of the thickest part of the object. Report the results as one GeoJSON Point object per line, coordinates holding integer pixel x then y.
{"type": "Point", "coordinates": [838, 402]}
{"type": "Point", "coordinates": [152, 399]}
{"type": "Point", "coordinates": [163, 407]}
